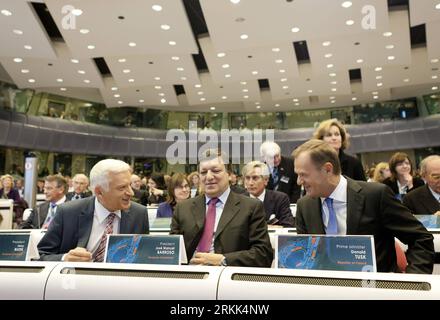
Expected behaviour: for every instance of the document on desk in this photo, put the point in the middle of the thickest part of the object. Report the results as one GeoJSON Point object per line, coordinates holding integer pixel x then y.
{"type": "Point", "coordinates": [145, 249]}
{"type": "Point", "coordinates": [343, 253]}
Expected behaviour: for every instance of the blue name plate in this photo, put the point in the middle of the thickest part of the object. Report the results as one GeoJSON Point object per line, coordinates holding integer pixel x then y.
{"type": "Point", "coordinates": [429, 221]}
{"type": "Point", "coordinates": [14, 247]}
{"type": "Point", "coordinates": [145, 249]}
{"type": "Point", "coordinates": [342, 253]}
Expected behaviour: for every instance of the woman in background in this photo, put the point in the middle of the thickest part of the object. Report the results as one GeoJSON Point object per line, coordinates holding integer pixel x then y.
{"type": "Point", "coordinates": [8, 191]}
{"type": "Point", "coordinates": [156, 190]}
{"type": "Point", "coordinates": [194, 183]}
{"type": "Point", "coordinates": [178, 190]}
{"type": "Point", "coordinates": [333, 132]}
{"type": "Point", "coordinates": [381, 172]}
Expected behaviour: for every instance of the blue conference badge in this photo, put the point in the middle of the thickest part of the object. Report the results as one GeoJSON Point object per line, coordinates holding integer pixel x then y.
{"type": "Point", "coordinates": [144, 249]}
{"type": "Point", "coordinates": [14, 247]}
{"type": "Point", "coordinates": [429, 221]}
{"type": "Point", "coordinates": [343, 253]}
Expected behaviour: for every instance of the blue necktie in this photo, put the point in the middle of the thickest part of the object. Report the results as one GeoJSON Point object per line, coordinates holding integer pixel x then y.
{"type": "Point", "coordinates": [275, 176]}
{"type": "Point", "coordinates": [332, 226]}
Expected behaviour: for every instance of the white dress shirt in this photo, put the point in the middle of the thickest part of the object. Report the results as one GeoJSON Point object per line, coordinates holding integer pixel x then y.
{"type": "Point", "coordinates": [99, 223]}
{"type": "Point", "coordinates": [260, 197]}
{"type": "Point", "coordinates": [435, 194]}
{"type": "Point", "coordinates": [339, 196]}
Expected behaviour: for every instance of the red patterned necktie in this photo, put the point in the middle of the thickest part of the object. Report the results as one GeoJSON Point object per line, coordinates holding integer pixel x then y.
{"type": "Point", "coordinates": [208, 230]}
{"type": "Point", "coordinates": [98, 256]}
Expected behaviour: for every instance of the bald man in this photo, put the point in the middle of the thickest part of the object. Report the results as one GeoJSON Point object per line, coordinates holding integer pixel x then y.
{"type": "Point", "coordinates": [80, 188]}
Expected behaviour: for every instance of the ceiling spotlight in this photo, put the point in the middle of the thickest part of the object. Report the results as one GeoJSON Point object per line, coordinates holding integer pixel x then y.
{"type": "Point", "coordinates": [120, 102]}
{"type": "Point", "coordinates": [180, 69]}
{"type": "Point", "coordinates": [375, 97]}
{"type": "Point", "coordinates": [326, 43]}
{"type": "Point", "coordinates": [24, 71]}
{"type": "Point", "coordinates": [114, 88]}
{"type": "Point", "coordinates": [406, 80]}
{"type": "Point", "coordinates": [434, 88]}
{"type": "Point", "coordinates": [282, 71]}
{"type": "Point", "coordinates": [212, 108]}
{"type": "Point", "coordinates": [258, 107]}
{"type": "Point", "coordinates": [328, 55]}
{"type": "Point", "coordinates": [130, 80]}
{"type": "Point", "coordinates": [244, 36]}
{"type": "Point", "coordinates": [156, 7]}
{"type": "Point", "coordinates": [165, 27]}
{"type": "Point", "coordinates": [161, 94]}
{"type": "Point", "coordinates": [254, 72]}
{"type": "Point", "coordinates": [77, 12]}
{"type": "Point", "coordinates": [295, 100]}
{"type": "Point", "coordinates": [310, 91]}
{"type": "Point", "coordinates": [389, 47]}
{"type": "Point", "coordinates": [183, 78]}
{"type": "Point", "coordinates": [380, 84]}
{"type": "Point", "coordinates": [346, 4]}
{"type": "Point", "coordinates": [235, 1]}
{"type": "Point", "coordinates": [84, 31]}
{"type": "Point", "coordinates": [117, 95]}
{"type": "Point", "coordinates": [81, 72]}
{"type": "Point", "coordinates": [157, 78]}
{"type": "Point", "coordinates": [18, 32]}
{"type": "Point", "coordinates": [91, 47]}
{"type": "Point", "coordinates": [28, 47]}
{"type": "Point", "coordinates": [332, 74]}
{"type": "Point", "coordinates": [333, 101]}
{"type": "Point", "coordinates": [354, 98]}
{"type": "Point", "coordinates": [141, 101]}
{"type": "Point", "coordinates": [359, 60]}
{"type": "Point", "coordinates": [334, 82]}
{"type": "Point", "coordinates": [278, 61]}
{"type": "Point", "coordinates": [391, 57]}
{"type": "Point", "coordinates": [87, 81]}
{"type": "Point", "coordinates": [377, 69]}
{"type": "Point", "coordinates": [175, 58]}
{"type": "Point", "coordinates": [59, 80]}
{"type": "Point", "coordinates": [285, 87]}
{"type": "Point", "coordinates": [31, 80]}
{"type": "Point", "coordinates": [221, 54]}
{"type": "Point", "coordinates": [126, 71]}
{"type": "Point", "coordinates": [330, 65]}
{"type": "Point", "coordinates": [172, 43]}
{"type": "Point", "coordinates": [243, 83]}
{"type": "Point", "coordinates": [437, 6]}
{"type": "Point", "coordinates": [245, 90]}
{"type": "Point", "coordinates": [246, 97]}
{"type": "Point", "coordinates": [6, 13]}
{"type": "Point", "coordinates": [200, 93]}
{"type": "Point", "coordinates": [283, 79]}
{"type": "Point", "coordinates": [227, 75]}
{"type": "Point", "coordinates": [294, 29]}
{"type": "Point", "coordinates": [434, 77]}
{"type": "Point", "coordinates": [224, 97]}
{"type": "Point", "coordinates": [132, 44]}
{"type": "Point", "coordinates": [18, 60]}
{"type": "Point", "coordinates": [276, 49]}
{"type": "Point", "coordinates": [225, 66]}
{"type": "Point", "coordinates": [157, 87]}
{"type": "Point", "coordinates": [434, 60]}
{"type": "Point", "coordinates": [197, 86]}
{"type": "Point", "coordinates": [349, 22]}
{"type": "Point", "coordinates": [74, 60]}
{"type": "Point", "coordinates": [387, 34]}
{"type": "Point", "coordinates": [163, 100]}
{"type": "Point", "coordinates": [378, 77]}
{"type": "Point", "coordinates": [334, 89]}
{"type": "Point", "coordinates": [202, 99]}
{"type": "Point", "coordinates": [296, 104]}
{"type": "Point", "coordinates": [63, 89]}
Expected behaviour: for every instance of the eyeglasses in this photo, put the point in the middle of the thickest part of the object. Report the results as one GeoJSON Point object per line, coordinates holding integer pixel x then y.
{"type": "Point", "coordinates": [183, 187]}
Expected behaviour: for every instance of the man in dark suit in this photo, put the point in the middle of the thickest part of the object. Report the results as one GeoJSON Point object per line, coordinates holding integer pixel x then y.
{"type": "Point", "coordinates": [276, 204]}
{"type": "Point", "coordinates": [335, 204]}
{"type": "Point", "coordinates": [282, 175]}
{"type": "Point", "coordinates": [55, 188]}
{"type": "Point", "coordinates": [80, 228]}
{"type": "Point", "coordinates": [222, 227]}
{"type": "Point", "coordinates": [426, 200]}
{"type": "Point", "coordinates": [80, 185]}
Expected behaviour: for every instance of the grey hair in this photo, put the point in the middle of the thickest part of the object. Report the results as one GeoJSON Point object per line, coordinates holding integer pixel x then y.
{"type": "Point", "coordinates": [269, 149]}
{"type": "Point", "coordinates": [256, 164]}
{"type": "Point", "coordinates": [210, 154]}
{"type": "Point", "coordinates": [425, 162]}
{"type": "Point", "coordinates": [99, 175]}
{"type": "Point", "coordinates": [81, 175]}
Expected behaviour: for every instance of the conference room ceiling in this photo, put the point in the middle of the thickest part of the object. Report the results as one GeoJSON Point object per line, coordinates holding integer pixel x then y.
{"type": "Point", "coordinates": [222, 55]}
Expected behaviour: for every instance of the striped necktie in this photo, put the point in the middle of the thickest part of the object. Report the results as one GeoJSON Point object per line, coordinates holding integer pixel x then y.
{"type": "Point", "coordinates": [98, 255]}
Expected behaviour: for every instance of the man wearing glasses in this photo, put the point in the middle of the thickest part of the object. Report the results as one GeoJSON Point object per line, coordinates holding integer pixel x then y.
{"type": "Point", "coordinates": [426, 200]}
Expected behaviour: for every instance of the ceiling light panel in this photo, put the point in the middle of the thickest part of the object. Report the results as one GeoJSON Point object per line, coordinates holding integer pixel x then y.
{"type": "Point", "coordinates": [34, 35]}
{"type": "Point", "coordinates": [146, 36]}
{"type": "Point", "coordinates": [345, 53]}
{"type": "Point", "coordinates": [254, 63]}
{"type": "Point", "coordinates": [225, 31]}
{"type": "Point", "coordinates": [144, 72]}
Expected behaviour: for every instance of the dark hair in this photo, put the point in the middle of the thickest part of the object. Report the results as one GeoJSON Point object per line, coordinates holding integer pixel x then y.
{"type": "Point", "coordinates": [395, 160]}
{"type": "Point", "coordinates": [176, 181]}
{"type": "Point", "coordinates": [60, 180]}
{"type": "Point", "coordinates": [159, 179]}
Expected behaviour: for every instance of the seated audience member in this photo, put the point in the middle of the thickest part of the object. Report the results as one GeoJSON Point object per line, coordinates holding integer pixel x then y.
{"type": "Point", "coordinates": [19, 185]}
{"type": "Point", "coordinates": [221, 227]}
{"type": "Point", "coordinates": [402, 179]}
{"type": "Point", "coordinates": [55, 188]}
{"type": "Point", "coordinates": [80, 188]}
{"type": "Point", "coordinates": [80, 228]}
{"type": "Point", "coordinates": [40, 186]}
{"type": "Point", "coordinates": [282, 176]}
{"type": "Point", "coordinates": [194, 183]}
{"type": "Point", "coordinates": [336, 205]}
{"type": "Point", "coordinates": [381, 172]}
{"type": "Point", "coordinates": [178, 190]}
{"type": "Point", "coordinates": [156, 190]}
{"type": "Point", "coordinates": [333, 132]}
{"type": "Point", "coordinates": [8, 191]}
{"type": "Point", "coordinates": [426, 199]}
{"type": "Point", "coordinates": [136, 186]}
{"type": "Point", "coordinates": [276, 204]}
{"type": "Point", "coordinates": [233, 183]}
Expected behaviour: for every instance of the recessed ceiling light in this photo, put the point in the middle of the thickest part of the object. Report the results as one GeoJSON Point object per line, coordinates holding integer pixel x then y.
{"type": "Point", "coordinates": [359, 60]}
{"type": "Point", "coordinates": [354, 98]}
{"type": "Point", "coordinates": [180, 69]}
{"type": "Point", "coordinates": [202, 99]}
{"type": "Point", "coordinates": [235, 1]}
{"type": "Point", "coordinates": [375, 92]}
{"type": "Point", "coordinates": [244, 36]}
{"type": "Point", "coordinates": [24, 71]}
{"type": "Point", "coordinates": [132, 44]}
{"type": "Point", "coordinates": [277, 105]}
{"type": "Point", "coordinates": [165, 27]}
{"type": "Point", "coordinates": [375, 97]}
{"type": "Point", "coordinates": [227, 75]}
{"type": "Point", "coordinates": [254, 72]}
{"type": "Point", "coordinates": [387, 34]}
{"type": "Point", "coordinates": [63, 89]}
{"type": "Point", "coordinates": [434, 60]}
{"type": "Point", "coordinates": [200, 93]}
{"type": "Point", "coordinates": [326, 43]}
{"type": "Point", "coordinates": [380, 84]}
{"type": "Point", "coordinates": [332, 97]}
{"type": "Point", "coordinates": [18, 32]}
{"type": "Point", "coordinates": [328, 55]}
{"type": "Point", "coordinates": [114, 88]}
{"type": "Point", "coordinates": [378, 69]}
{"type": "Point", "coordinates": [60, 80]}
{"type": "Point", "coordinates": [91, 47]}
{"type": "Point", "coordinates": [433, 96]}
{"type": "Point", "coordinates": [6, 13]}
{"type": "Point", "coordinates": [333, 101]}
{"type": "Point", "coordinates": [31, 80]}
{"type": "Point", "coordinates": [157, 87]}
{"type": "Point", "coordinates": [334, 82]}
{"type": "Point", "coordinates": [156, 7]}
{"type": "Point", "coordinates": [212, 108]}
{"type": "Point", "coordinates": [295, 29]}
{"type": "Point", "coordinates": [389, 47]}
{"type": "Point", "coordinates": [28, 47]}
{"type": "Point", "coordinates": [434, 88]}
{"type": "Point", "coordinates": [126, 71]}
{"type": "Point", "coordinates": [225, 66]}
{"type": "Point", "coordinates": [437, 6]}
{"type": "Point", "coordinates": [283, 79]}
{"type": "Point", "coordinates": [245, 90]}
{"type": "Point", "coordinates": [172, 43]}
{"type": "Point", "coordinates": [161, 94]}
{"type": "Point", "coordinates": [157, 78]}
{"type": "Point", "coordinates": [130, 80]}
{"type": "Point", "coordinates": [221, 54]}
{"type": "Point", "coordinates": [295, 100]}
{"type": "Point", "coordinates": [282, 71]}
{"type": "Point", "coordinates": [406, 80]}
{"type": "Point", "coordinates": [224, 97]}
{"type": "Point", "coordinates": [18, 60]}
{"type": "Point", "coordinates": [88, 104]}
{"type": "Point", "coordinates": [285, 87]}
{"type": "Point", "coordinates": [163, 100]}
{"type": "Point", "coordinates": [310, 91]}
{"type": "Point", "coordinates": [278, 61]}
{"type": "Point", "coordinates": [77, 12]}
{"type": "Point", "coordinates": [378, 77]}
{"type": "Point", "coordinates": [117, 95]}
{"type": "Point", "coordinates": [258, 107]}
{"type": "Point", "coordinates": [183, 78]}
{"type": "Point", "coordinates": [296, 104]}
{"type": "Point", "coordinates": [276, 49]}
{"type": "Point", "coordinates": [349, 22]}
{"type": "Point", "coordinates": [391, 57]}
{"type": "Point", "coordinates": [346, 4]}
{"type": "Point", "coordinates": [175, 58]}
{"type": "Point", "coordinates": [197, 86]}
{"type": "Point", "coordinates": [330, 65]}
{"type": "Point", "coordinates": [74, 60]}
{"type": "Point", "coordinates": [334, 89]}
{"type": "Point", "coordinates": [434, 77]}
{"type": "Point", "coordinates": [141, 101]}
{"type": "Point", "coordinates": [332, 74]}
{"type": "Point", "coordinates": [81, 72]}
{"type": "Point", "coordinates": [87, 81]}
{"type": "Point", "coordinates": [84, 31]}
{"type": "Point", "coordinates": [120, 102]}
{"type": "Point", "coordinates": [246, 97]}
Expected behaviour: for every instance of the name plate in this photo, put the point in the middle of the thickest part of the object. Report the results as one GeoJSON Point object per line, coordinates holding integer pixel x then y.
{"type": "Point", "coordinates": [321, 252]}
{"type": "Point", "coordinates": [431, 222]}
{"type": "Point", "coordinates": [14, 247]}
{"type": "Point", "coordinates": [145, 249]}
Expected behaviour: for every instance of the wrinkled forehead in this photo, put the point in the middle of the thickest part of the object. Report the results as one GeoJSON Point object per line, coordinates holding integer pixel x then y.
{"type": "Point", "coordinates": [216, 162]}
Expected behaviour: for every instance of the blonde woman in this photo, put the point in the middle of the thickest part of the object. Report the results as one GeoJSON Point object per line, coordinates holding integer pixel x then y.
{"type": "Point", "coordinates": [8, 191]}
{"type": "Point", "coordinates": [381, 172]}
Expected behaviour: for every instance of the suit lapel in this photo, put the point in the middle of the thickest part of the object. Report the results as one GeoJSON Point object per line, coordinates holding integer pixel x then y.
{"type": "Point", "coordinates": [199, 211]}
{"type": "Point", "coordinates": [124, 227]}
{"type": "Point", "coordinates": [232, 206]}
{"type": "Point", "coordinates": [314, 209]}
{"type": "Point", "coordinates": [355, 203]}
{"type": "Point", "coordinates": [428, 201]}
{"type": "Point", "coordinates": [85, 223]}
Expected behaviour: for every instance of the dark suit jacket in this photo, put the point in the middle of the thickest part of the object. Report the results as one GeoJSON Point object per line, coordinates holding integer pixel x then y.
{"type": "Point", "coordinates": [421, 201]}
{"type": "Point", "coordinates": [241, 234]}
{"type": "Point", "coordinates": [73, 222]}
{"type": "Point", "coordinates": [291, 188]}
{"type": "Point", "coordinates": [351, 166]}
{"type": "Point", "coordinates": [372, 209]}
{"type": "Point", "coordinates": [83, 195]}
{"type": "Point", "coordinates": [417, 182]}
{"type": "Point", "coordinates": [37, 217]}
